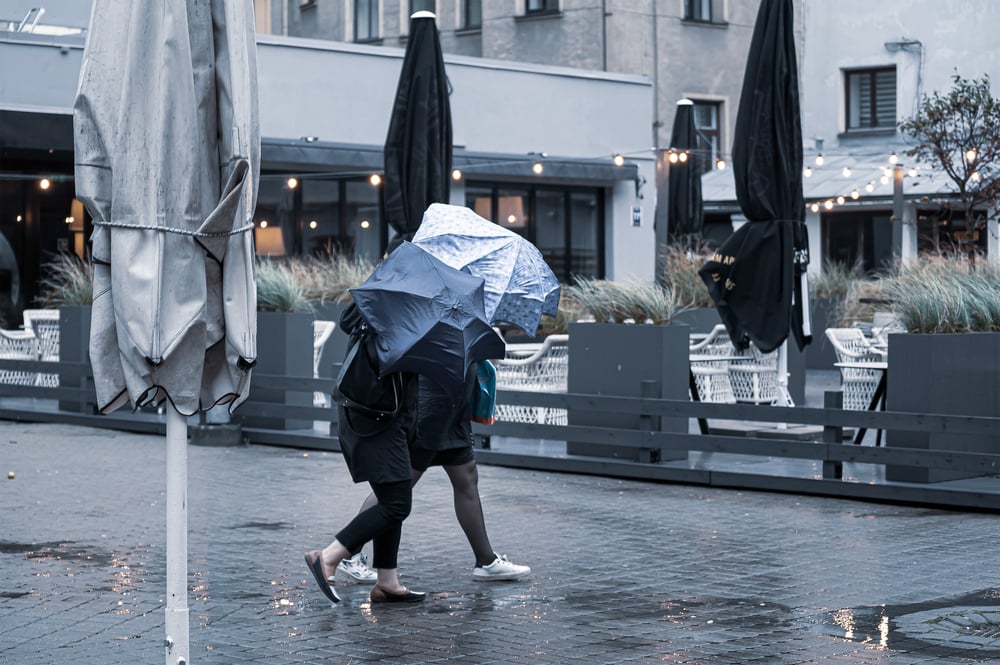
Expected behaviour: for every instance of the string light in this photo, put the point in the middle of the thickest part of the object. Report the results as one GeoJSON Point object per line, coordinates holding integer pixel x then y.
{"type": "Point", "coordinates": [870, 187]}
{"type": "Point", "coordinates": [293, 183]}
{"type": "Point", "coordinates": [970, 155]}
{"type": "Point", "coordinates": [884, 180]}
{"type": "Point", "coordinates": [807, 171]}
{"type": "Point", "coordinates": [263, 223]}
{"type": "Point", "coordinates": [975, 178]}
{"type": "Point", "coordinates": [846, 172]}
{"type": "Point", "coordinates": [44, 183]}
{"type": "Point", "coordinates": [893, 158]}
{"type": "Point", "coordinates": [456, 174]}
{"type": "Point", "coordinates": [819, 159]}
{"type": "Point", "coordinates": [887, 173]}
{"type": "Point", "coordinates": [828, 204]}
{"type": "Point", "coordinates": [720, 164]}
{"type": "Point", "coordinates": [537, 168]}
{"type": "Point", "coordinates": [913, 173]}
{"type": "Point", "coordinates": [375, 180]}
{"type": "Point", "coordinates": [840, 200]}
{"type": "Point", "coordinates": [672, 156]}
{"type": "Point", "coordinates": [313, 223]}
{"type": "Point", "coordinates": [855, 194]}
{"type": "Point", "coordinates": [683, 157]}
{"type": "Point", "coordinates": [618, 159]}
{"type": "Point", "coordinates": [814, 207]}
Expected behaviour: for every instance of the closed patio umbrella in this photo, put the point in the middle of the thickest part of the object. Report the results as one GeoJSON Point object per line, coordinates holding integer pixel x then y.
{"type": "Point", "coordinates": [684, 206]}
{"type": "Point", "coordinates": [167, 158]}
{"type": "Point", "coordinates": [757, 278]}
{"type": "Point", "coordinates": [418, 150]}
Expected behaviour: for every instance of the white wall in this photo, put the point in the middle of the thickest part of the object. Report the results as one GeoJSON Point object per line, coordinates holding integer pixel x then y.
{"type": "Point", "coordinates": [957, 35]}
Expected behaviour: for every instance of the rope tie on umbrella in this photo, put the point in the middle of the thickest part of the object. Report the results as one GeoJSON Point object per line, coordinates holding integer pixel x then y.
{"type": "Point", "coordinates": [183, 232]}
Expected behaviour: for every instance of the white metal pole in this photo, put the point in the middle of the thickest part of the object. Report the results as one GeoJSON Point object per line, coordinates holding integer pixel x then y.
{"type": "Point", "coordinates": [177, 644]}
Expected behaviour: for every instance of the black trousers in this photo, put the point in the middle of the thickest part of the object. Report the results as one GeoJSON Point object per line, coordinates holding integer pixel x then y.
{"type": "Point", "coordinates": [382, 523]}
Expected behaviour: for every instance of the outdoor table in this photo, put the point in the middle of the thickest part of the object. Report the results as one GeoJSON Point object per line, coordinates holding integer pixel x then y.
{"type": "Point", "coordinates": [878, 397]}
{"type": "Point", "coordinates": [706, 358]}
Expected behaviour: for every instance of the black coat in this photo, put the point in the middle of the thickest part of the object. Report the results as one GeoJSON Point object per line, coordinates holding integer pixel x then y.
{"type": "Point", "coordinates": [442, 420]}
{"type": "Point", "coordinates": [377, 451]}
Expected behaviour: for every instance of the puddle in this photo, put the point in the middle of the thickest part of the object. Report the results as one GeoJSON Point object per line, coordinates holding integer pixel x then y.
{"type": "Point", "coordinates": [969, 623]}
{"type": "Point", "coordinates": [263, 526]}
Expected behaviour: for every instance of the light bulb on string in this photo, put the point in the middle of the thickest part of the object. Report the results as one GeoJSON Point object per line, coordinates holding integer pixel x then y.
{"type": "Point", "coordinates": [886, 173]}
{"type": "Point", "coordinates": [970, 155]}
{"type": "Point", "coordinates": [855, 194]}
{"type": "Point", "coordinates": [814, 207]}
{"type": "Point", "coordinates": [975, 178]}
{"type": "Point", "coordinates": [456, 174]}
{"type": "Point", "coordinates": [618, 160]}
{"type": "Point", "coordinates": [913, 172]}
{"type": "Point", "coordinates": [840, 200]}
{"type": "Point", "coordinates": [672, 156]}
{"type": "Point", "coordinates": [893, 158]}
{"type": "Point", "coordinates": [807, 171]}
{"type": "Point", "coordinates": [375, 180]}
{"type": "Point", "coordinates": [870, 187]}
{"type": "Point", "coordinates": [537, 168]}
{"type": "Point", "coordinates": [828, 204]}
{"type": "Point", "coordinates": [720, 164]}
{"type": "Point", "coordinates": [683, 157]}
{"type": "Point", "coordinates": [819, 159]}
{"type": "Point", "coordinates": [846, 172]}
{"type": "Point", "coordinates": [884, 180]}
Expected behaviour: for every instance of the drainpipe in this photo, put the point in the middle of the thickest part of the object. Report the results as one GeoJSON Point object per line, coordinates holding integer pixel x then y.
{"type": "Point", "coordinates": [604, 34]}
{"type": "Point", "coordinates": [656, 84]}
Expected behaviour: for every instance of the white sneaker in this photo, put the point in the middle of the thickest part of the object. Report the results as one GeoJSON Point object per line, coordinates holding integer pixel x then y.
{"type": "Point", "coordinates": [500, 569]}
{"type": "Point", "coordinates": [357, 567]}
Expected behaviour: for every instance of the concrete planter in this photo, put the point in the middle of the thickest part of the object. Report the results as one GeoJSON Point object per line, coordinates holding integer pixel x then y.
{"type": "Point", "coordinates": [821, 354]}
{"type": "Point", "coordinates": [614, 359]}
{"type": "Point", "coordinates": [951, 374]}
{"type": "Point", "coordinates": [698, 319]}
{"type": "Point", "coordinates": [74, 347]}
{"type": "Point", "coordinates": [284, 348]}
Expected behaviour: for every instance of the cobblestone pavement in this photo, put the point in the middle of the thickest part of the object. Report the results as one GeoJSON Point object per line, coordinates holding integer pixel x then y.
{"type": "Point", "coordinates": [624, 572]}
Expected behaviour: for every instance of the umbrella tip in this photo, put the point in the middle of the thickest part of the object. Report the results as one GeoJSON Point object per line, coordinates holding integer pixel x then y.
{"type": "Point", "coordinates": [422, 14]}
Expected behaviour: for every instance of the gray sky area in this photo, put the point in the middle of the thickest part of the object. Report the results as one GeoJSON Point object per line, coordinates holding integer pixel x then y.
{"type": "Point", "coordinates": [71, 13]}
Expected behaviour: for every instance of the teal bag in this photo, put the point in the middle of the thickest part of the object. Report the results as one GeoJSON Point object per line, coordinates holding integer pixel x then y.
{"type": "Point", "coordinates": [484, 398]}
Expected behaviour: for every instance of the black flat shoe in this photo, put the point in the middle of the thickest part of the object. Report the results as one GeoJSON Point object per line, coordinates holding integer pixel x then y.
{"type": "Point", "coordinates": [380, 595]}
{"type": "Point", "coordinates": [315, 564]}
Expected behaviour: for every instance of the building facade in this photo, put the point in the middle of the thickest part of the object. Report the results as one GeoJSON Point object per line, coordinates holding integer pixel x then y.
{"type": "Point", "coordinates": [534, 144]}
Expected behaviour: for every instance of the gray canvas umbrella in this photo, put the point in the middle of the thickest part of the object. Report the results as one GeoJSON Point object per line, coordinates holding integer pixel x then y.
{"type": "Point", "coordinates": [167, 159]}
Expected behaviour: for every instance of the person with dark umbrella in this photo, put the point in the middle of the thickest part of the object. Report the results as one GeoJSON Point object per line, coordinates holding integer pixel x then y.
{"type": "Point", "coordinates": [376, 452]}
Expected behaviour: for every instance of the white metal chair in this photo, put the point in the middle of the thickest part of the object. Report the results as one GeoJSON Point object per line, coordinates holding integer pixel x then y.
{"type": "Point", "coordinates": [543, 368]}
{"type": "Point", "coordinates": [44, 325]}
{"type": "Point", "coordinates": [858, 384]}
{"type": "Point", "coordinates": [321, 334]}
{"type": "Point", "coordinates": [755, 380]}
{"type": "Point", "coordinates": [18, 345]}
{"type": "Point", "coordinates": [711, 378]}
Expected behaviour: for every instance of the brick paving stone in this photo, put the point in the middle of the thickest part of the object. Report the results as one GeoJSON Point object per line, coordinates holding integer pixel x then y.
{"type": "Point", "coordinates": [624, 572]}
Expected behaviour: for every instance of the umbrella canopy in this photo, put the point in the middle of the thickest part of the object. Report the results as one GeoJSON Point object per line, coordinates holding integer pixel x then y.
{"type": "Point", "coordinates": [757, 277]}
{"type": "Point", "coordinates": [685, 209]}
{"type": "Point", "coordinates": [418, 146]}
{"type": "Point", "coordinates": [519, 285]}
{"type": "Point", "coordinates": [428, 317]}
{"type": "Point", "coordinates": [167, 159]}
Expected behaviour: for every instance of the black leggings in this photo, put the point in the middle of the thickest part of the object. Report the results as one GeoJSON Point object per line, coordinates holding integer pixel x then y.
{"type": "Point", "coordinates": [382, 523]}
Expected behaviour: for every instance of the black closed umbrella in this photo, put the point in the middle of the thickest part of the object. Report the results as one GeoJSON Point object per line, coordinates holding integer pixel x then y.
{"type": "Point", "coordinates": [757, 277]}
{"type": "Point", "coordinates": [684, 207]}
{"type": "Point", "coordinates": [418, 148]}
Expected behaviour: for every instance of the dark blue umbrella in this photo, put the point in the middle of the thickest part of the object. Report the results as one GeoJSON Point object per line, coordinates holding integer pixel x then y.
{"type": "Point", "coordinates": [418, 150]}
{"type": "Point", "coordinates": [757, 277]}
{"type": "Point", "coordinates": [428, 317]}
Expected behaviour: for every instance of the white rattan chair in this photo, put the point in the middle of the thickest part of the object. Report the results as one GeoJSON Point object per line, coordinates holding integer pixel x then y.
{"type": "Point", "coordinates": [711, 378]}
{"type": "Point", "coordinates": [18, 345]}
{"type": "Point", "coordinates": [755, 380]}
{"type": "Point", "coordinates": [321, 334]}
{"type": "Point", "coordinates": [543, 368]}
{"type": "Point", "coordinates": [44, 325]}
{"type": "Point", "coordinates": [858, 384]}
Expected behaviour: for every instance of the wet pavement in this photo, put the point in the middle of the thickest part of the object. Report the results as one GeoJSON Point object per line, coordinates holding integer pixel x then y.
{"type": "Point", "coordinates": [624, 571]}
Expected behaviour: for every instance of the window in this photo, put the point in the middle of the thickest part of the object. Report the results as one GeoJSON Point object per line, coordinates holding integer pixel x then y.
{"type": "Point", "coordinates": [472, 14]}
{"type": "Point", "coordinates": [849, 238]}
{"type": "Point", "coordinates": [366, 20]}
{"type": "Point", "coordinates": [565, 223]}
{"type": "Point", "coordinates": [422, 6]}
{"type": "Point", "coordinates": [698, 10]}
{"type": "Point", "coordinates": [706, 121]}
{"type": "Point", "coordinates": [541, 6]}
{"type": "Point", "coordinates": [871, 98]}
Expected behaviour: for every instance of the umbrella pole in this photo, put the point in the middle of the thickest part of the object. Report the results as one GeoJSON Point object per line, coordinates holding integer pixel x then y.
{"type": "Point", "coordinates": [784, 397]}
{"type": "Point", "coordinates": [177, 611]}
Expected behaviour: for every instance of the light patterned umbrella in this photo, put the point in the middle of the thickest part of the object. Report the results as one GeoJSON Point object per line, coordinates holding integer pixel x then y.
{"type": "Point", "coordinates": [520, 286]}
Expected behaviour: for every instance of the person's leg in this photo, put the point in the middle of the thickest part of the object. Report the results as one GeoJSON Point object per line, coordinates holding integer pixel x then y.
{"type": "Point", "coordinates": [469, 510]}
{"type": "Point", "coordinates": [395, 501]}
